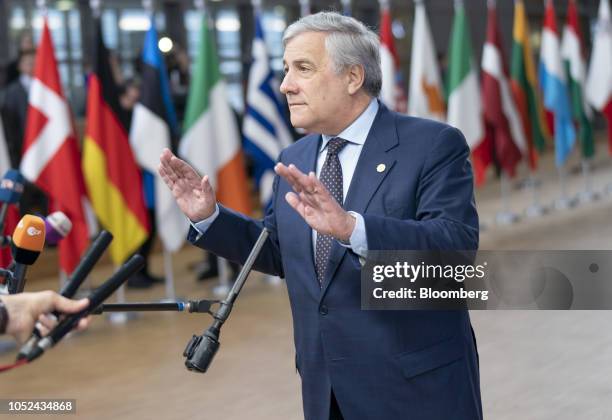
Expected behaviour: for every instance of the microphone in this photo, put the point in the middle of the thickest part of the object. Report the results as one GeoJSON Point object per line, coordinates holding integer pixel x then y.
{"type": "Point", "coordinates": [58, 226]}
{"type": "Point", "coordinates": [11, 188]}
{"type": "Point", "coordinates": [78, 276]}
{"type": "Point", "coordinates": [132, 266]}
{"type": "Point", "coordinates": [201, 349]}
{"type": "Point", "coordinates": [28, 241]}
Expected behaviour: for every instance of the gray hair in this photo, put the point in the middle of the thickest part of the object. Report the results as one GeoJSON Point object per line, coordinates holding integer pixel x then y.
{"type": "Point", "coordinates": [349, 42]}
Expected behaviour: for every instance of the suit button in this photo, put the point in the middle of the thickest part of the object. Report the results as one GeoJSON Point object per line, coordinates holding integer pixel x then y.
{"type": "Point", "coordinates": [323, 310]}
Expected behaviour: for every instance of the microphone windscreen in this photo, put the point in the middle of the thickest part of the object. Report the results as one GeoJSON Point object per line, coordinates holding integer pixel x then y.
{"type": "Point", "coordinates": [28, 239]}
{"type": "Point", "coordinates": [11, 187]}
{"type": "Point", "coordinates": [58, 226]}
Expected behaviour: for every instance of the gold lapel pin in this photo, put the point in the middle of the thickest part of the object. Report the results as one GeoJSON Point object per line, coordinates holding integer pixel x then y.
{"type": "Point", "coordinates": [381, 167]}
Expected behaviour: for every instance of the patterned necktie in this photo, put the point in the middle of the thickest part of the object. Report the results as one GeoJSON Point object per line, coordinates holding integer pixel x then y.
{"type": "Point", "coordinates": [331, 177]}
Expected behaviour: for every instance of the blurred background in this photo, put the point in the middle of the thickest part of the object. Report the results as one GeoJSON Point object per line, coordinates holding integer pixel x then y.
{"type": "Point", "coordinates": [536, 188]}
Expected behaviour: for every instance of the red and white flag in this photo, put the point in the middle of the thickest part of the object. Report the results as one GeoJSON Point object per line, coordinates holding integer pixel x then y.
{"type": "Point", "coordinates": [51, 157]}
{"type": "Point", "coordinates": [391, 93]}
{"type": "Point", "coordinates": [502, 120]}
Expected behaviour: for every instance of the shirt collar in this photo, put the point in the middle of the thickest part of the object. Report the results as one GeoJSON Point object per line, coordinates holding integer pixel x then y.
{"type": "Point", "coordinates": [358, 131]}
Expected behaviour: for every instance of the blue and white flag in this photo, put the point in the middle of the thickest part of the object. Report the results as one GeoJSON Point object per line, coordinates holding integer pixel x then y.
{"type": "Point", "coordinates": [554, 87]}
{"type": "Point", "coordinates": [264, 128]}
{"type": "Point", "coordinates": [153, 126]}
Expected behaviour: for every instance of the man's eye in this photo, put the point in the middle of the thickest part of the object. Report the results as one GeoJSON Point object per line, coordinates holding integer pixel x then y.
{"type": "Point", "coordinates": [303, 69]}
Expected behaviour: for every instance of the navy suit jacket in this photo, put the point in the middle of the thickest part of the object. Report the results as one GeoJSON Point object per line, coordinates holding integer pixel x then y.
{"type": "Point", "coordinates": [420, 365]}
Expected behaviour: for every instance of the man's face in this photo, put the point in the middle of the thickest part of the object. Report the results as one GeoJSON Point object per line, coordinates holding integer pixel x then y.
{"type": "Point", "coordinates": [315, 93]}
{"type": "Point", "coordinates": [26, 64]}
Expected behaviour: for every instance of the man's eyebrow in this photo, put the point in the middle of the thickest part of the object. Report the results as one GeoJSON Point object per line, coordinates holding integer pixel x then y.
{"type": "Point", "coordinates": [299, 61]}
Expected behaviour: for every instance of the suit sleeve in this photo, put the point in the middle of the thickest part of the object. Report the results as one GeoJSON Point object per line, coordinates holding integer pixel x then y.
{"type": "Point", "coordinates": [446, 217]}
{"type": "Point", "coordinates": [232, 236]}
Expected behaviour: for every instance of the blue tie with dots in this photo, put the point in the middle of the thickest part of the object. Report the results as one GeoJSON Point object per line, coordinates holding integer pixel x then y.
{"type": "Point", "coordinates": [331, 177]}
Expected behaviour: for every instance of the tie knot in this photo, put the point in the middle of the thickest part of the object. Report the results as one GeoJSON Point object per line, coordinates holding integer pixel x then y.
{"type": "Point", "coordinates": [335, 145]}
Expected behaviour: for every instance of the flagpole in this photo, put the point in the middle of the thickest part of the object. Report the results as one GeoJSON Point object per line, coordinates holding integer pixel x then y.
{"type": "Point", "coordinates": [588, 194]}
{"type": "Point", "coordinates": [505, 216]}
{"type": "Point", "coordinates": [304, 7]}
{"type": "Point", "coordinates": [535, 209]}
{"type": "Point", "coordinates": [563, 202]}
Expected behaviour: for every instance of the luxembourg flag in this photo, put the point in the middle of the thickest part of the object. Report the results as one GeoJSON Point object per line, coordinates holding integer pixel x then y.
{"type": "Point", "coordinates": [554, 87]}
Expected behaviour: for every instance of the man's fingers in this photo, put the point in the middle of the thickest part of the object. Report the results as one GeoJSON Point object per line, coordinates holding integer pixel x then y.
{"type": "Point", "coordinates": [284, 172]}
{"type": "Point", "coordinates": [68, 306]}
{"type": "Point", "coordinates": [83, 323]}
{"type": "Point", "coordinates": [47, 321]}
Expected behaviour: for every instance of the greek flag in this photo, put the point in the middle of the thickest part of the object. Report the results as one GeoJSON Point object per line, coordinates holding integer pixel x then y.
{"type": "Point", "coordinates": [264, 129]}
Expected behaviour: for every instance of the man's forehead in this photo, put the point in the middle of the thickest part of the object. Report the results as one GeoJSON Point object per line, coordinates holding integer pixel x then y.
{"type": "Point", "coordinates": [308, 46]}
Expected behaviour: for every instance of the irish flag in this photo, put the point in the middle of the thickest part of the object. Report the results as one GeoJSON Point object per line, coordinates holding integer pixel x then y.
{"type": "Point", "coordinates": [524, 86]}
{"type": "Point", "coordinates": [464, 105]}
{"type": "Point", "coordinates": [575, 68]}
{"type": "Point", "coordinates": [599, 80]}
{"type": "Point", "coordinates": [425, 98]}
{"type": "Point", "coordinates": [211, 142]}
{"type": "Point", "coordinates": [113, 179]}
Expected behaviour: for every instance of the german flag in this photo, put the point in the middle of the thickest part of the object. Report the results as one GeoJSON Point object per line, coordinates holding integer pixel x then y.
{"type": "Point", "coordinates": [113, 179]}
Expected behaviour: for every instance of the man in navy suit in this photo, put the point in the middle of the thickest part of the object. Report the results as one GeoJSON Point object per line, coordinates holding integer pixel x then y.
{"type": "Point", "coordinates": [371, 180]}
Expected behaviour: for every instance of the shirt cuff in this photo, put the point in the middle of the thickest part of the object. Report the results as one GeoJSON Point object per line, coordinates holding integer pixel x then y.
{"type": "Point", "coordinates": [202, 226]}
{"type": "Point", "coordinates": [358, 241]}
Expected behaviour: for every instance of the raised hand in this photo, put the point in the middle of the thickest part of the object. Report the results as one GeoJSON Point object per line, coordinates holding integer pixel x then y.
{"type": "Point", "coordinates": [193, 194]}
{"type": "Point", "coordinates": [315, 204]}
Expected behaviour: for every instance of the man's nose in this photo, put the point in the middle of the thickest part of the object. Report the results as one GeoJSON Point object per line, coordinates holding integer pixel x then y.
{"type": "Point", "coordinates": [287, 85]}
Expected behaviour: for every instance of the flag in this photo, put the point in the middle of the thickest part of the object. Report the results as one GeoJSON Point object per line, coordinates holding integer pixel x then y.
{"type": "Point", "coordinates": [575, 70]}
{"type": "Point", "coordinates": [211, 140]}
{"type": "Point", "coordinates": [502, 120]}
{"type": "Point", "coordinates": [153, 126]}
{"type": "Point", "coordinates": [554, 87]}
{"type": "Point", "coordinates": [425, 94]}
{"type": "Point", "coordinates": [51, 157]}
{"type": "Point", "coordinates": [12, 215]}
{"type": "Point", "coordinates": [112, 177]}
{"type": "Point", "coordinates": [464, 102]}
{"type": "Point", "coordinates": [525, 88]}
{"type": "Point", "coordinates": [264, 127]}
{"type": "Point", "coordinates": [391, 93]}
{"type": "Point", "coordinates": [598, 86]}
{"type": "Point", "coordinates": [5, 162]}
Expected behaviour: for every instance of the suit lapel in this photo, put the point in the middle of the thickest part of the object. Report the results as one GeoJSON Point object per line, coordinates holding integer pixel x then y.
{"type": "Point", "coordinates": [307, 162]}
{"type": "Point", "coordinates": [369, 173]}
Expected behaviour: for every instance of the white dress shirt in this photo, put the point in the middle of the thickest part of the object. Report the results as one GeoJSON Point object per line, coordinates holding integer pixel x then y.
{"type": "Point", "coordinates": [356, 135]}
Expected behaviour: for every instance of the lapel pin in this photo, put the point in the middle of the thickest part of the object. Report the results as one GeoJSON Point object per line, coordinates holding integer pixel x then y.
{"type": "Point", "coordinates": [381, 167]}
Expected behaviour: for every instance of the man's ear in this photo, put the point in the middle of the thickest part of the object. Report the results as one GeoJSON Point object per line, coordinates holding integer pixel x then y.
{"type": "Point", "coordinates": [356, 77]}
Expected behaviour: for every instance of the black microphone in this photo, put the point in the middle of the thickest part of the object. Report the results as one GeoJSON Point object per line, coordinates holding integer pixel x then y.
{"type": "Point", "coordinates": [78, 276]}
{"type": "Point", "coordinates": [201, 350]}
{"type": "Point", "coordinates": [11, 188]}
{"type": "Point", "coordinates": [90, 258]}
{"type": "Point", "coordinates": [132, 266]}
{"type": "Point", "coordinates": [28, 241]}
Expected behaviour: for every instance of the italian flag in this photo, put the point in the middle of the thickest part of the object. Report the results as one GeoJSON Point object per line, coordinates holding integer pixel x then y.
{"type": "Point", "coordinates": [575, 68]}
{"type": "Point", "coordinates": [211, 142]}
{"type": "Point", "coordinates": [464, 105]}
{"type": "Point", "coordinates": [524, 84]}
